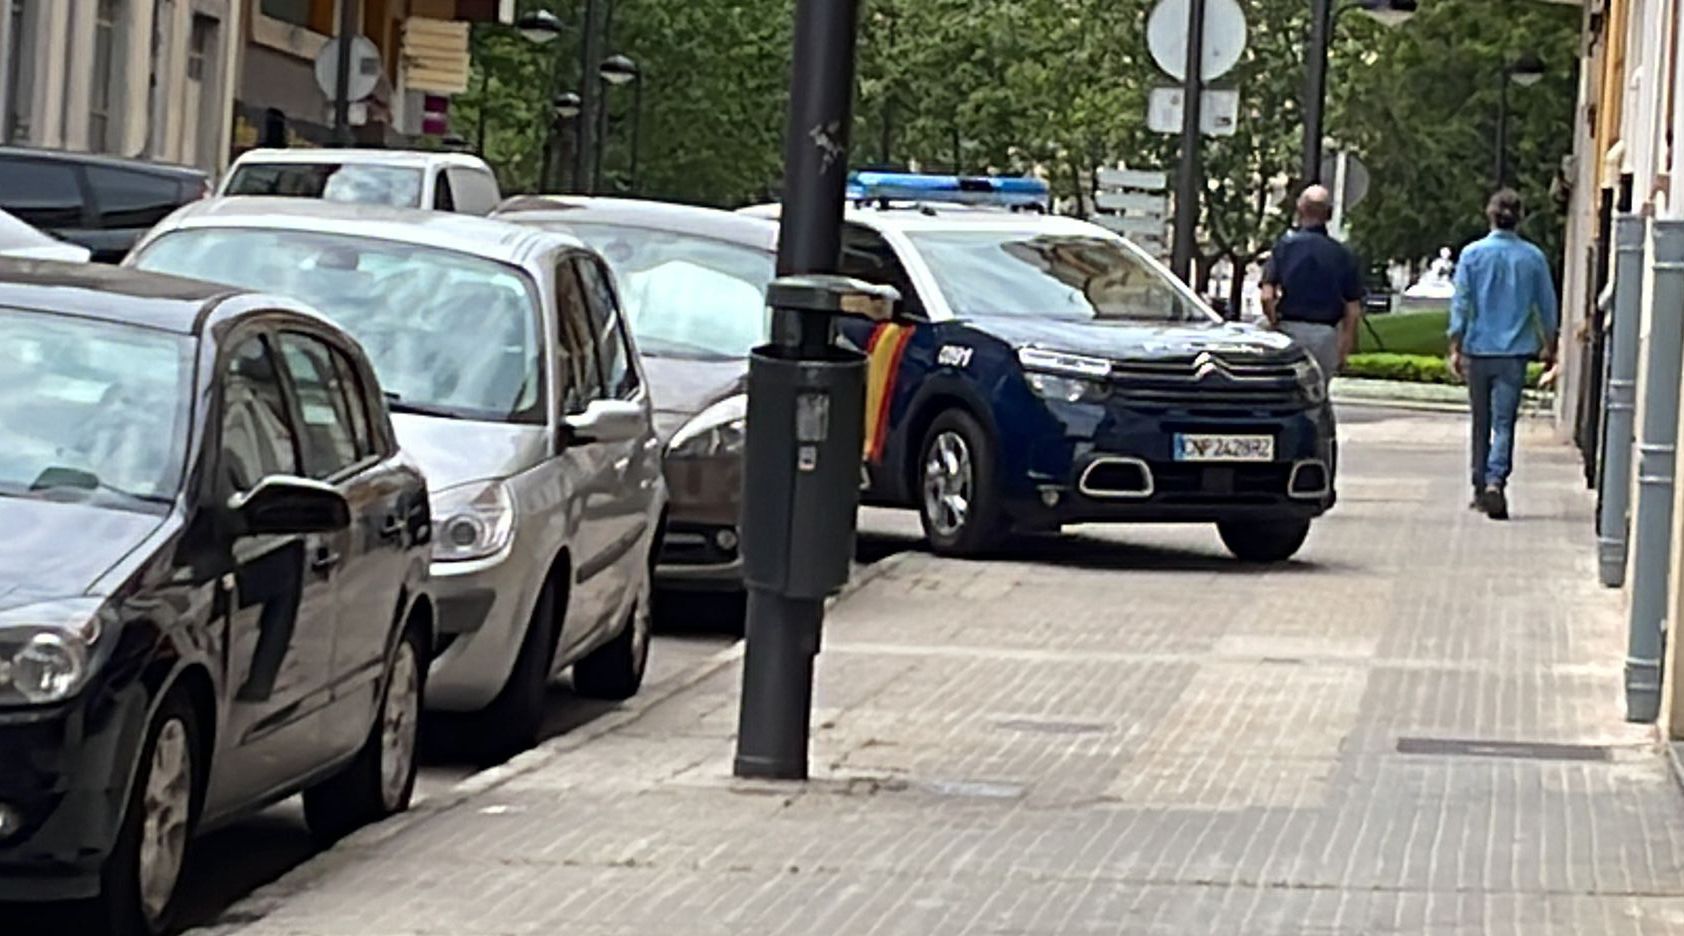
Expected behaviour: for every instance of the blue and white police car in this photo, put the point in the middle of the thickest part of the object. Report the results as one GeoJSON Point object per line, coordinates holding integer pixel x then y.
{"type": "Point", "coordinates": [1053, 373]}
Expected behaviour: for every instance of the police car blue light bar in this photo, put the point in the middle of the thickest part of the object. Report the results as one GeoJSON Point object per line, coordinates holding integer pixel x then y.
{"type": "Point", "coordinates": [997, 191]}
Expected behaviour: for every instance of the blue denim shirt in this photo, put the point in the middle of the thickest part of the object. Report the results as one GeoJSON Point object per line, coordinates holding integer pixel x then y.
{"type": "Point", "coordinates": [1505, 303]}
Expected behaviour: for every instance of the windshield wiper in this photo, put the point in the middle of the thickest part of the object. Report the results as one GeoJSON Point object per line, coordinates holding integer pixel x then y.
{"type": "Point", "coordinates": [59, 477]}
{"type": "Point", "coordinates": [398, 404]}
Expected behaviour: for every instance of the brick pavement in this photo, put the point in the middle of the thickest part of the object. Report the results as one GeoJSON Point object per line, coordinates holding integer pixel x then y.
{"type": "Point", "coordinates": [1121, 732]}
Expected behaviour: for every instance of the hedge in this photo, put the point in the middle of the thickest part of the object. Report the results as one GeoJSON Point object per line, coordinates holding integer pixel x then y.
{"type": "Point", "coordinates": [1415, 368]}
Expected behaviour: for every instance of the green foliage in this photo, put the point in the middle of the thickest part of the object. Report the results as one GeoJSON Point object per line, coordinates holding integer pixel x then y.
{"type": "Point", "coordinates": [1416, 368]}
{"type": "Point", "coordinates": [1007, 84]}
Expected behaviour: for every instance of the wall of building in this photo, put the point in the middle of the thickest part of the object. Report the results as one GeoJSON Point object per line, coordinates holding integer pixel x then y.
{"type": "Point", "coordinates": [147, 79]}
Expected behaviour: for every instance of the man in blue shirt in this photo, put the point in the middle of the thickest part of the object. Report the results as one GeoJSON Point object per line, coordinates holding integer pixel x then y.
{"type": "Point", "coordinates": [1312, 285]}
{"type": "Point", "coordinates": [1504, 314]}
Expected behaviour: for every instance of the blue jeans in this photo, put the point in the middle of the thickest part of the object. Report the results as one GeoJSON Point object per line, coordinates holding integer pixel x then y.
{"type": "Point", "coordinates": [1494, 385]}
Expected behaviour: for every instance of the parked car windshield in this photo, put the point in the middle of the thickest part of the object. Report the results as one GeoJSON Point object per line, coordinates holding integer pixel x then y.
{"type": "Point", "coordinates": [686, 295]}
{"type": "Point", "coordinates": [92, 411]}
{"type": "Point", "coordinates": [995, 273]}
{"type": "Point", "coordinates": [337, 182]}
{"type": "Point", "coordinates": [448, 332]}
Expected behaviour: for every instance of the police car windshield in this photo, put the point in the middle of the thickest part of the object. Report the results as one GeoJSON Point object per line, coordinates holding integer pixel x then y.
{"type": "Point", "coordinates": [999, 273]}
{"type": "Point", "coordinates": [686, 295]}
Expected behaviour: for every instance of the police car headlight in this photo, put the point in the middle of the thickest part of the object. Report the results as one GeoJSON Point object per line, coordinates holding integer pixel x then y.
{"type": "Point", "coordinates": [1073, 378]}
{"type": "Point", "coordinates": [1068, 389]}
{"type": "Point", "coordinates": [472, 521]}
{"type": "Point", "coordinates": [1310, 379]}
{"type": "Point", "coordinates": [719, 430]}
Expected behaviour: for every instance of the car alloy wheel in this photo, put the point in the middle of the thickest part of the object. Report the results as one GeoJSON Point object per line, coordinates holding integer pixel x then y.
{"type": "Point", "coordinates": [399, 724]}
{"type": "Point", "coordinates": [948, 483]}
{"type": "Point", "coordinates": [167, 806]}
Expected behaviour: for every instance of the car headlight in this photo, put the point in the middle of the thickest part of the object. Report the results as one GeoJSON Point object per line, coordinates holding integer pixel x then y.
{"type": "Point", "coordinates": [1310, 379]}
{"type": "Point", "coordinates": [472, 521]}
{"type": "Point", "coordinates": [721, 429]}
{"type": "Point", "coordinates": [44, 650]}
{"type": "Point", "coordinates": [1073, 378]}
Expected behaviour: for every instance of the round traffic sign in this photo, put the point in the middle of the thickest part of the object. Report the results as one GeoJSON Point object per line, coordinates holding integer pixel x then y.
{"type": "Point", "coordinates": [1166, 37]}
{"type": "Point", "coordinates": [365, 69]}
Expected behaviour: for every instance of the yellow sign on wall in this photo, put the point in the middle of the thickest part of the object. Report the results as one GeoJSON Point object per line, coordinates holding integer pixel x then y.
{"type": "Point", "coordinates": [436, 59]}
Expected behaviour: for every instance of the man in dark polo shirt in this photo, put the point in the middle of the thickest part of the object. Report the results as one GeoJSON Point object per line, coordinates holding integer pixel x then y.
{"type": "Point", "coordinates": [1312, 287]}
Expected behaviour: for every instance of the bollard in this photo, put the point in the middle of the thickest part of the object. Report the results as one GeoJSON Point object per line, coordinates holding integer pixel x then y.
{"type": "Point", "coordinates": [1618, 425]}
{"type": "Point", "coordinates": [1657, 456]}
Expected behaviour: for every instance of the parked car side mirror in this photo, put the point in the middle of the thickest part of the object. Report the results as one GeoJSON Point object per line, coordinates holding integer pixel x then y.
{"type": "Point", "coordinates": [282, 504]}
{"type": "Point", "coordinates": [607, 421]}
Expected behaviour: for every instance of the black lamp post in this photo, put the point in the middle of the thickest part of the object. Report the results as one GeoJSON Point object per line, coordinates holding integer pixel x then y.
{"type": "Point", "coordinates": [566, 107]}
{"type": "Point", "coordinates": [1525, 71]}
{"type": "Point", "coordinates": [1323, 17]}
{"type": "Point", "coordinates": [618, 71]}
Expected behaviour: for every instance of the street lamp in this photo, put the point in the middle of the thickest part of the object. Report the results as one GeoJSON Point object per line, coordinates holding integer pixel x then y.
{"type": "Point", "coordinates": [1322, 19]}
{"type": "Point", "coordinates": [566, 107]}
{"type": "Point", "coordinates": [540, 27]}
{"type": "Point", "coordinates": [617, 71]}
{"type": "Point", "coordinates": [1525, 71]}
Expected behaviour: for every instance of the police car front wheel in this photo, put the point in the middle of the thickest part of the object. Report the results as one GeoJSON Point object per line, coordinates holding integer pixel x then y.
{"type": "Point", "coordinates": [958, 502]}
{"type": "Point", "coordinates": [1263, 541]}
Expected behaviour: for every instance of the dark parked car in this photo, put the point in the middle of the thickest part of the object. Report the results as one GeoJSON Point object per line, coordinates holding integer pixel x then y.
{"type": "Point", "coordinates": [693, 283]}
{"type": "Point", "coordinates": [212, 587]}
{"type": "Point", "coordinates": [100, 202]}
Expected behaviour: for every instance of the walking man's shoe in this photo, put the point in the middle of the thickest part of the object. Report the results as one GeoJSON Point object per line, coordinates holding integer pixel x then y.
{"type": "Point", "coordinates": [1496, 503]}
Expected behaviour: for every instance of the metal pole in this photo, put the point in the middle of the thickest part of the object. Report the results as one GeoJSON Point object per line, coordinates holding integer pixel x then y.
{"type": "Point", "coordinates": [342, 81]}
{"type": "Point", "coordinates": [1657, 458]}
{"type": "Point", "coordinates": [1315, 87]}
{"type": "Point", "coordinates": [1187, 183]}
{"type": "Point", "coordinates": [590, 53]}
{"type": "Point", "coordinates": [1502, 172]}
{"type": "Point", "coordinates": [476, 39]}
{"type": "Point", "coordinates": [601, 140]}
{"type": "Point", "coordinates": [637, 129]}
{"type": "Point", "coordinates": [1620, 414]}
{"type": "Point", "coordinates": [782, 632]}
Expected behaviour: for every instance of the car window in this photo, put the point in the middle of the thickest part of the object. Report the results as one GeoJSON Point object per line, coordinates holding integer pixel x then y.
{"type": "Point", "coordinates": [358, 184]}
{"type": "Point", "coordinates": [90, 410]}
{"type": "Point", "coordinates": [127, 199]}
{"type": "Point", "coordinates": [43, 193]}
{"type": "Point", "coordinates": [618, 378]}
{"type": "Point", "coordinates": [683, 295]}
{"type": "Point", "coordinates": [578, 341]}
{"type": "Point", "coordinates": [257, 433]}
{"type": "Point", "coordinates": [358, 405]}
{"type": "Point", "coordinates": [475, 190]}
{"type": "Point", "coordinates": [868, 256]}
{"type": "Point", "coordinates": [448, 332]}
{"type": "Point", "coordinates": [1052, 276]}
{"type": "Point", "coordinates": [443, 198]}
{"type": "Point", "coordinates": [324, 409]}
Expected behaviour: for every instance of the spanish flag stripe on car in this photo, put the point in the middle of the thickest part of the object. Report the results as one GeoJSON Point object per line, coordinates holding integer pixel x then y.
{"type": "Point", "coordinates": [883, 353]}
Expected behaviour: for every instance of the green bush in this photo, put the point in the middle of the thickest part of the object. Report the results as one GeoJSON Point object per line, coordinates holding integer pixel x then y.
{"type": "Point", "coordinates": [1415, 368]}
{"type": "Point", "coordinates": [1406, 332]}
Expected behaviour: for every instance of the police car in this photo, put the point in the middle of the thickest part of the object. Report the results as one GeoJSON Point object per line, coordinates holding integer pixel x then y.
{"type": "Point", "coordinates": [1053, 373]}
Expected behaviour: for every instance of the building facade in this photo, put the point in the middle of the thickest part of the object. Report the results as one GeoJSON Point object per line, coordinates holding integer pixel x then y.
{"type": "Point", "coordinates": [148, 79]}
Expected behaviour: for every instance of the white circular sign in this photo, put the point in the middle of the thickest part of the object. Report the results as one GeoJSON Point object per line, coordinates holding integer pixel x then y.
{"type": "Point", "coordinates": [365, 69]}
{"type": "Point", "coordinates": [1166, 37]}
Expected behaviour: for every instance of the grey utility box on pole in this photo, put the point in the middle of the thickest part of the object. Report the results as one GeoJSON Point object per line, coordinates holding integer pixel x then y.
{"type": "Point", "coordinates": [1619, 423]}
{"type": "Point", "coordinates": [1657, 459]}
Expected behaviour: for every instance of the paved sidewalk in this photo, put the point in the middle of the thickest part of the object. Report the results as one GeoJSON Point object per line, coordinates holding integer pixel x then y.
{"type": "Point", "coordinates": [1122, 732]}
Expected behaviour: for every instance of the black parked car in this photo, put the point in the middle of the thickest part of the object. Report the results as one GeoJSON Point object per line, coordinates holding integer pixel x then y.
{"type": "Point", "coordinates": [212, 584]}
{"type": "Point", "coordinates": [100, 202]}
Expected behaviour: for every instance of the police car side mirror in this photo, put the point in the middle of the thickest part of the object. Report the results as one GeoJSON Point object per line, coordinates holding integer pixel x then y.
{"type": "Point", "coordinates": [838, 295]}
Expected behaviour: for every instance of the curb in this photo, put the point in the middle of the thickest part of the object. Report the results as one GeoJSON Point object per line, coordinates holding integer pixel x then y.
{"type": "Point", "coordinates": [251, 909]}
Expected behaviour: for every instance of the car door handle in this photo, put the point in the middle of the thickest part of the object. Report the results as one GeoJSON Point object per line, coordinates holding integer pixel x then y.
{"type": "Point", "coordinates": [393, 528]}
{"type": "Point", "coordinates": [325, 559]}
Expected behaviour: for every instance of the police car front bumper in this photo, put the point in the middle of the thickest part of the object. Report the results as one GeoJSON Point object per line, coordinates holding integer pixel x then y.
{"type": "Point", "coordinates": [1124, 469]}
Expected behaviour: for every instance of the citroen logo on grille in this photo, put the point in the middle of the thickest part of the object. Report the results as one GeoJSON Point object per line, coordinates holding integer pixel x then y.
{"type": "Point", "coordinates": [1207, 364]}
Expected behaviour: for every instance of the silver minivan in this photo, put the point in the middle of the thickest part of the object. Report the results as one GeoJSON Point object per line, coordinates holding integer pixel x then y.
{"type": "Point", "coordinates": [515, 382]}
